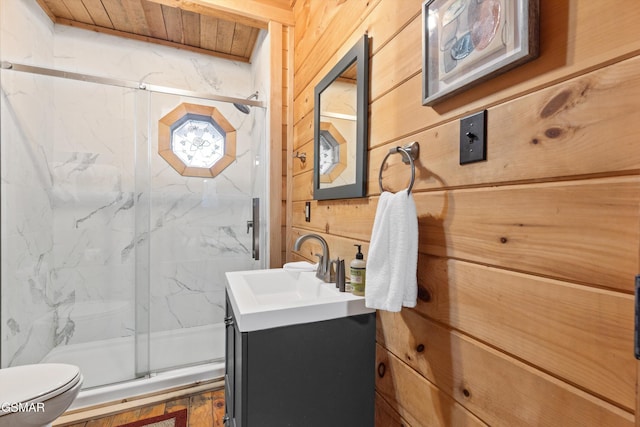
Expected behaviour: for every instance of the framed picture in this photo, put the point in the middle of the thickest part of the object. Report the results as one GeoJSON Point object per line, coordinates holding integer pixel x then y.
{"type": "Point", "coordinates": [466, 42]}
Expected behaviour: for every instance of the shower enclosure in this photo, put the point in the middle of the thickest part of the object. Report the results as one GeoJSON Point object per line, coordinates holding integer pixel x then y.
{"type": "Point", "coordinates": [111, 259]}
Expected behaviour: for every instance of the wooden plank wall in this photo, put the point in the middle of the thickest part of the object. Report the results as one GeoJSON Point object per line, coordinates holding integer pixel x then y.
{"type": "Point", "coordinates": [276, 119]}
{"type": "Point", "coordinates": [527, 260]}
{"type": "Point", "coordinates": [287, 133]}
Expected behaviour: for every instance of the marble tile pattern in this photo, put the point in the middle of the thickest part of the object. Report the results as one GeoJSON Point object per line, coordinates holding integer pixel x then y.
{"type": "Point", "coordinates": [92, 217]}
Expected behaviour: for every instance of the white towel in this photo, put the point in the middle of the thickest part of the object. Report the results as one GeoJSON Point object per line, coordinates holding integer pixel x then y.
{"type": "Point", "coordinates": [300, 266]}
{"type": "Point", "coordinates": [393, 254]}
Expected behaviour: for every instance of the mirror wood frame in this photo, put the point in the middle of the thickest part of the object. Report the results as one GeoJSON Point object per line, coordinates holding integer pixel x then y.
{"type": "Point", "coordinates": [358, 54]}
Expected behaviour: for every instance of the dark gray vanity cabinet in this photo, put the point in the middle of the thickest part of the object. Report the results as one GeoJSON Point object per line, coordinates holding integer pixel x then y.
{"type": "Point", "coordinates": [306, 375]}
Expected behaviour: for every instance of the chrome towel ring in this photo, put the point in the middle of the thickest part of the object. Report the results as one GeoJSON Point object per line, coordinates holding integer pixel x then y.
{"type": "Point", "coordinates": [410, 153]}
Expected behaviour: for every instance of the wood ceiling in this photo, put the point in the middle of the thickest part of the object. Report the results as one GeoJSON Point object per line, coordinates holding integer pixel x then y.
{"type": "Point", "coordinates": [223, 28]}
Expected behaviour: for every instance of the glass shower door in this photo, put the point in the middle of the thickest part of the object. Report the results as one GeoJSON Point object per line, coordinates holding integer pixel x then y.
{"type": "Point", "coordinates": [197, 231]}
{"type": "Point", "coordinates": [111, 259]}
{"type": "Point", "coordinates": [67, 220]}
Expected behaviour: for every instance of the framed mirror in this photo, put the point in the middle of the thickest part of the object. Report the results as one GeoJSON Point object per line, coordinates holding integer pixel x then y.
{"type": "Point", "coordinates": [341, 128]}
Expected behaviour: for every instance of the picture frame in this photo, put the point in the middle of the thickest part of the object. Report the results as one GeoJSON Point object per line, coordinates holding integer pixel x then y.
{"type": "Point", "coordinates": [466, 42]}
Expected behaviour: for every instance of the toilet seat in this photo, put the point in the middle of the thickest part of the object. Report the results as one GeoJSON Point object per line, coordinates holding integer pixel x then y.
{"type": "Point", "coordinates": [38, 382]}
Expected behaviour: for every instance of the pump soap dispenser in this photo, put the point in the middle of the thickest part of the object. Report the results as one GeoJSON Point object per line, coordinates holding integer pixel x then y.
{"type": "Point", "coordinates": [358, 273]}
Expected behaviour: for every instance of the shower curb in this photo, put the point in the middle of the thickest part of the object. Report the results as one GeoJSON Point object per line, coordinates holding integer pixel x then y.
{"type": "Point", "coordinates": [116, 407]}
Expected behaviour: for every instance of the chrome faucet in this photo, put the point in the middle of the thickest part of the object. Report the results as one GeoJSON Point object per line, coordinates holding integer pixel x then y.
{"type": "Point", "coordinates": [324, 271]}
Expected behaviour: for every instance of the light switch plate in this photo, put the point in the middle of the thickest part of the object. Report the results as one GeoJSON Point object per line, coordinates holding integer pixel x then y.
{"type": "Point", "coordinates": [473, 138]}
{"type": "Point", "coordinates": [307, 211]}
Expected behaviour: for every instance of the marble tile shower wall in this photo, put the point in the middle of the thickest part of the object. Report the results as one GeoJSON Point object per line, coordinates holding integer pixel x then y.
{"type": "Point", "coordinates": [71, 191]}
{"type": "Point", "coordinates": [27, 218]}
{"type": "Point", "coordinates": [198, 226]}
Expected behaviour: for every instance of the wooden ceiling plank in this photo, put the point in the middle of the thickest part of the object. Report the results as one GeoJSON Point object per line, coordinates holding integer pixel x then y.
{"type": "Point", "coordinates": [98, 14]}
{"type": "Point", "coordinates": [137, 17]}
{"type": "Point", "coordinates": [241, 36]}
{"type": "Point", "coordinates": [252, 43]}
{"type": "Point", "coordinates": [58, 8]}
{"type": "Point", "coordinates": [196, 26]}
{"type": "Point", "coordinates": [133, 36]}
{"type": "Point", "coordinates": [225, 36]}
{"type": "Point", "coordinates": [255, 13]}
{"type": "Point", "coordinates": [118, 16]}
{"type": "Point", "coordinates": [155, 20]}
{"type": "Point", "coordinates": [173, 23]}
{"type": "Point", "coordinates": [208, 32]}
{"type": "Point", "coordinates": [191, 28]}
{"type": "Point", "coordinates": [78, 11]}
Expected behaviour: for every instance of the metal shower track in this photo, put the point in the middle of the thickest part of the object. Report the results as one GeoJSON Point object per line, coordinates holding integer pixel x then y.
{"type": "Point", "coordinates": [125, 83]}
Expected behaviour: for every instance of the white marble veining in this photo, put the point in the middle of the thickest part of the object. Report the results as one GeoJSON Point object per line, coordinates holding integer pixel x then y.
{"type": "Point", "coordinates": [92, 216]}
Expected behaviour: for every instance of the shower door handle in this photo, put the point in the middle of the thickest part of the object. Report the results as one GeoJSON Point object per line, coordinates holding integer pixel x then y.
{"type": "Point", "coordinates": [254, 224]}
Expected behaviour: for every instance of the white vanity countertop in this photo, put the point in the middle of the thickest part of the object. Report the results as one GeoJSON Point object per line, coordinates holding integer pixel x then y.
{"type": "Point", "coordinates": [264, 299]}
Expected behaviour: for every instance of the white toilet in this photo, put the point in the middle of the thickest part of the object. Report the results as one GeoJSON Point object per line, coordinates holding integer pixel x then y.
{"type": "Point", "coordinates": [36, 395]}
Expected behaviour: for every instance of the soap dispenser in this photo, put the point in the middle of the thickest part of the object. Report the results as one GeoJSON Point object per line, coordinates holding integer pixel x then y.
{"type": "Point", "coordinates": [358, 273]}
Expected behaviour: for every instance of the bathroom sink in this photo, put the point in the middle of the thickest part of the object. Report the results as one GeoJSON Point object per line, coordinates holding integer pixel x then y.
{"type": "Point", "coordinates": [264, 299]}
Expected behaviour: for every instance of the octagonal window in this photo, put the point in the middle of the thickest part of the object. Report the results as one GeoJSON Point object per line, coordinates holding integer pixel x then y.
{"type": "Point", "coordinates": [196, 140]}
{"type": "Point", "coordinates": [329, 152]}
{"type": "Point", "coordinates": [333, 152]}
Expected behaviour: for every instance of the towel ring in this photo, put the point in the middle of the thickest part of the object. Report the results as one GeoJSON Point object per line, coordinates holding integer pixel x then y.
{"type": "Point", "coordinates": [409, 153]}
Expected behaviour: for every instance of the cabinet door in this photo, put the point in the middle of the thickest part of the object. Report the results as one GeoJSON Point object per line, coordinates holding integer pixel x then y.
{"type": "Point", "coordinates": [229, 373]}
{"type": "Point", "coordinates": [310, 375]}
{"type": "Point", "coordinates": [239, 377]}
